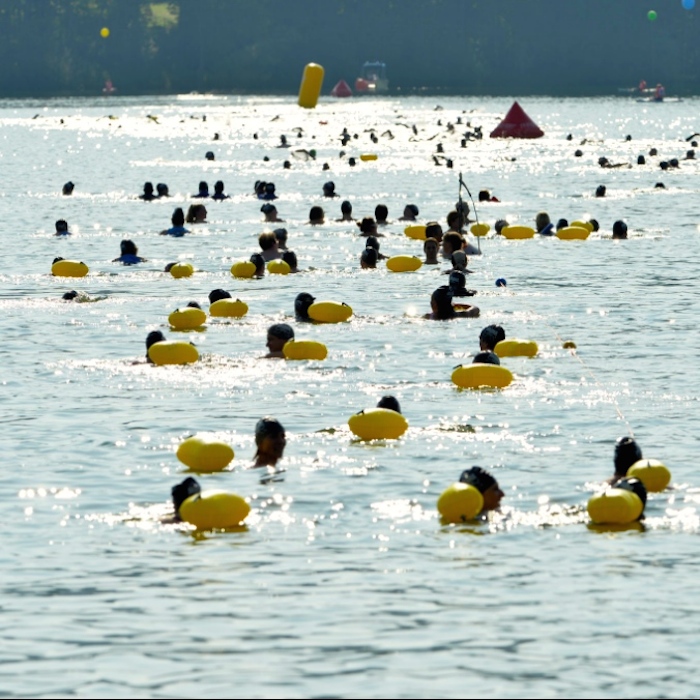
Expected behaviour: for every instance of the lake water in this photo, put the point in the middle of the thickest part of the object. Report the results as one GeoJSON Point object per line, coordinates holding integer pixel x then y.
{"type": "Point", "coordinates": [345, 583]}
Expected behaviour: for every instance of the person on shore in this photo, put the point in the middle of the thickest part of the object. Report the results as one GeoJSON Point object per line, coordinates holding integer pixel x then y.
{"type": "Point", "coordinates": [488, 339]}
{"type": "Point", "coordinates": [177, 229]}
{"type": "Point", "coordinates": [277, 335]}
{"type": "Point", "coordinates": [486, 485]}
{"type": "Point", "coordinates": [129, 253]}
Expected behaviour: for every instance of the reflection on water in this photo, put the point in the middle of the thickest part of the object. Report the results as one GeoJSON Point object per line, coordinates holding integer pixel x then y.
{"type": "Point", "coordinates": [344, 582]}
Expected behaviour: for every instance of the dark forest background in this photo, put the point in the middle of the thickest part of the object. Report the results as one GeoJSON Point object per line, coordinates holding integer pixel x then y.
{"type": "Point", "coordinates": [483, 47]}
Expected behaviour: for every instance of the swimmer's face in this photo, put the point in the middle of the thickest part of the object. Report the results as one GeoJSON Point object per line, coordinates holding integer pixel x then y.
{"type": "Point", "coordinates": [492, 497]}
{"type": "Point", "coordinates": [274, 344]}
{"type": "Point", "coordinates": [273, 445]}
{"type": "Point", "coordinates": [431, 248]}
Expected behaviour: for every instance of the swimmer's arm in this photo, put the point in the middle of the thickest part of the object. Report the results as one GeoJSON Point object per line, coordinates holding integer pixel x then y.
{"type": "Point", "coordinates": [471, 312]}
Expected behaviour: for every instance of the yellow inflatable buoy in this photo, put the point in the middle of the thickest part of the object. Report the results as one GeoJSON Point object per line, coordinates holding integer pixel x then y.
{"type": "Point", "coordinates": [653, 474]}
{"type": "Point", "coordinates": [104, 32]}
{"type": "Point", "coordinates": [329, 311]}
{"type": "Point", "coordinates": [517, 232]}
{"type": "Point", "coordinates": [69, 268]}
{"type": "Point", "coordinates": [481, 374]}
{"type": "Point", "coordinates": [228, 308]}
{"type": "Point", "coordinates": [573, 233]}
{"type": "Point", "coordinates": [417, 232]}
{"type": "Point", "coordinates": [187, 319]}
{"type": "Point", "coordinates": [378, 424]}
{"type": "Point", "coordinates": [404, 263]}
{"type": "Point", "coordinates": [368, 156]}
{"type": "Point", "coordinates": [615, 507]}
{"type": "Point", "coordinates": [583, 224]}
{"type": "Point", "coordinates": [180, 270]}
{"type": "Point", "coordinates": [310, 87]}
{"type": "Point", "coordinates": [214, 510]}
{"type": "Point", "coordinates": [278, 267]}
{"type": "Point", "coordinates": [460, 503]}
{"type": "Point", "coordinates": [304, 350]}
{"type": "Point", "coordinates": [203, 455]}
{"type": "Point", "coordinates": [172, 352]}
{"type": "Point", "coordinates": [243, 269]}
{"type": "Point", "coordinates": [479, 230]}
{"type": "Point", "coordinates": [516, 348]}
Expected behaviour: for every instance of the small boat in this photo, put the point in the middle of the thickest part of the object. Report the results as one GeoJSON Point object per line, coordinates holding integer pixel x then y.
{"type": "Point", "coordinates": [372, 78]}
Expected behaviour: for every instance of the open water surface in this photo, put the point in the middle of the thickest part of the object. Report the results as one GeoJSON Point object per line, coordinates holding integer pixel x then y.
{"type": "Point", "coordinates": [345, 583]}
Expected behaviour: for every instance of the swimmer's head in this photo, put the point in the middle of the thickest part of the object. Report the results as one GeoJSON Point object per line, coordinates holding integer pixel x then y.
{"type": "Point", "coordinates": [491, 336]}
{"type": "Point", "coordinates": [182, 491]}
{"type": "Point", "coordinates": [68, 188]}
{"type": "Point", "coordinates": [154, 337]}
{"type": "Point", "coordinates": [433, 230]}
{"type": "Point", "coordinates": [367, 226]}
{"type": "Point", "coordinates": [372, 242]}
{"type": "Point", "coordinates": [627, 452]}
{"type": "Point", "coordinates": [128, 247]}
{"type": "Point", "coordinates": [483, 482]}
{"type": "Point", "coordinates": [630, 483]}
{"type": "Point", "coordinates": [368, 259]}
{"type": "Point", "coordinates": [281, 236]}
{"type": "Point", "coordinates": [390, 402]}
{"type": "Point", "coordinates": [441, 303]}
{"type": "Point", "coordinates": [268, 208]}
{"type": "Point", "coordinates": [346, 207]}
{"type": "Point", "coordinates": [69, 296]}
{"type": "Point", "coordinates": [162, 189]}
{"type": "Point", "coordinates": [301, 305]}
{"type": "Point", "coordinates": [267, 427]}
{"type": "Point", "coordinates": [329, 189]}
{"type": "Point", "coordinates": [562, 223]}
{"type": "Point", "coordinates": [193, 305]}
{"type": "Point", "coordinates": [457, 283]}
{"type": "Point", "coordinates": [500, 225]}
{"type": "Point", "coordinates": [619, 229]}
{"type": "Point", "coordinates": [600, 191]}
{"type": "Point", "coordinates": [217, 294]}
{"type": "Point", "coordinates": [259, 262]}
{"type": "Point", "coordinates": [61, 226]}
{"type": "Point", "coordinates": [283, 331]}
{"type": "Point", "coordinates": [209, 155]}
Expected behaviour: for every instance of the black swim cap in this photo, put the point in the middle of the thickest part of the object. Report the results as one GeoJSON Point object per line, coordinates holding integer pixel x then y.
{"type": "Point", "coordinates": [302, 303]}
{"type": "Point", "coordinates": [478, 477]}
{"type": "Point", "coordinates": [627, 452]}
{"type": "Point", "coordinates": [283, 331]}
{"type": "Point", "coordinates": [182, 491]}
{"type": "Point", "coordinates": [154, 337]}
{"type": "Point", "coordinates": [193, 305]}
{"type": "Point", "coordinates": [630, 483]}
{"type": "Point", "coordinates": [390, 402]}
{"type": "Point", "coordinates": [492, 335]}
{"type": "Point", "coordinates": [70, 295]}
{"type": "Point", "coordinates": [217, 294]}
{"type": "Point", "coordinates": [267, 427]}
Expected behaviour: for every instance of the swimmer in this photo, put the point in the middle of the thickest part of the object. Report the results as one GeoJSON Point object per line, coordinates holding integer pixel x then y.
{"type": "Point", "coordinates": [203, 191]}
{"type": "Point", "coordinates": [196, 214]}
{"type": "Point", "coordinates": [410, 213]}
{"type": "Point", "coordinates": [270, 441]}
{"type": "Point", "coordinates": [177, 229]}
{"type": "Point", "coordinates": [381, 212]}
{"type": "Point", "coordinates": [500, 225]}
{"type": "Point", "coordinates": [209, 155]}
{"type": "Point", "coordinates": [129, 253]}
{"type": "Point", "coordinates": [600, 191]}
{"type": "Point", "coordinates": [431, 248]}
{"type": "Point", "coordinates": [368, 259]}
{"type": "Point", "coordinates": [458, 284]}
{"type": "Point", "coordinates": [301, 306]}
{"type": "Point", "coordinates": [281, 235]}
{"type": "Point", "coordinates": [619, 230]}
{"type": "Point", "coordinates": [259, 262]}
{"type": "Point", "coordinates": [372, 242]}
{"type": "Point", "coordinates": [562, 223]}
{"type": "Point", "coordinates": [329, 189]}
{"type": "Point", "coordinates": [442, 309]}
{"type": "Point", "coordinates": [459, 262]}
{"type": "Point", "coordinates": [390, 402]}
{"type": "Point", "coordinates": [180, 493]}
{"type": "Point", "coordinates": [267, 191]}
{"type": "Point", "coordinates": [217, 294]}
{"type": "Point", "coordinates": [316, 216]}
{"type": "Point", "coordinates": [455, 223]}
{"type": "Point", "coordinates": [290, 257]}
{"type": "Point", "coordinates": [487, 486]}
{"type": "Point", "coordinates": [433, 230]}
{"type": "Point", "coordinates": [345, 211]}
{"type": "Point", "coordinates": [268, 244]}
{"type": "Point", "coordinates": [151, 339]}
{"type": "Point", "coordinates": [62, 228]}
{"type": "Point", "coordinates": [543, 224]}
{"type": "Point", "coordinates": [368, 227]}
{"type": "Point", "coordinates": [163, 190]}
{"type": "Point", "coordinates": [68, 188]}
{"type": "Point", "coordinates": [488, 339]}
{"type": "Point", "coordinates": [219, 191]}
{"type": "Point", "coordinates": [627, 452]}
{"type": "Point", "coordinates": [485, 196]}
{"type": "Point", "coordinates": [80, 297]}
{"type": "Point", "coordinates": [148, 193]}
{"type": "Point", "coordinates": [277, 335]}
{"type": "Point", "coordinates": [270, 212]}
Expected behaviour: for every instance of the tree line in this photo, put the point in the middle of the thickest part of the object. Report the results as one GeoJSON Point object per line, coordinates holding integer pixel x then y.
{"type": "Point", "coordinates": [461, 47]}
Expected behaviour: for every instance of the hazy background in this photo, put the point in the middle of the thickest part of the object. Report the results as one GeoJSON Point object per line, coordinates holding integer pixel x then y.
{"type": "Point", "coordinates": [484, 47]}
